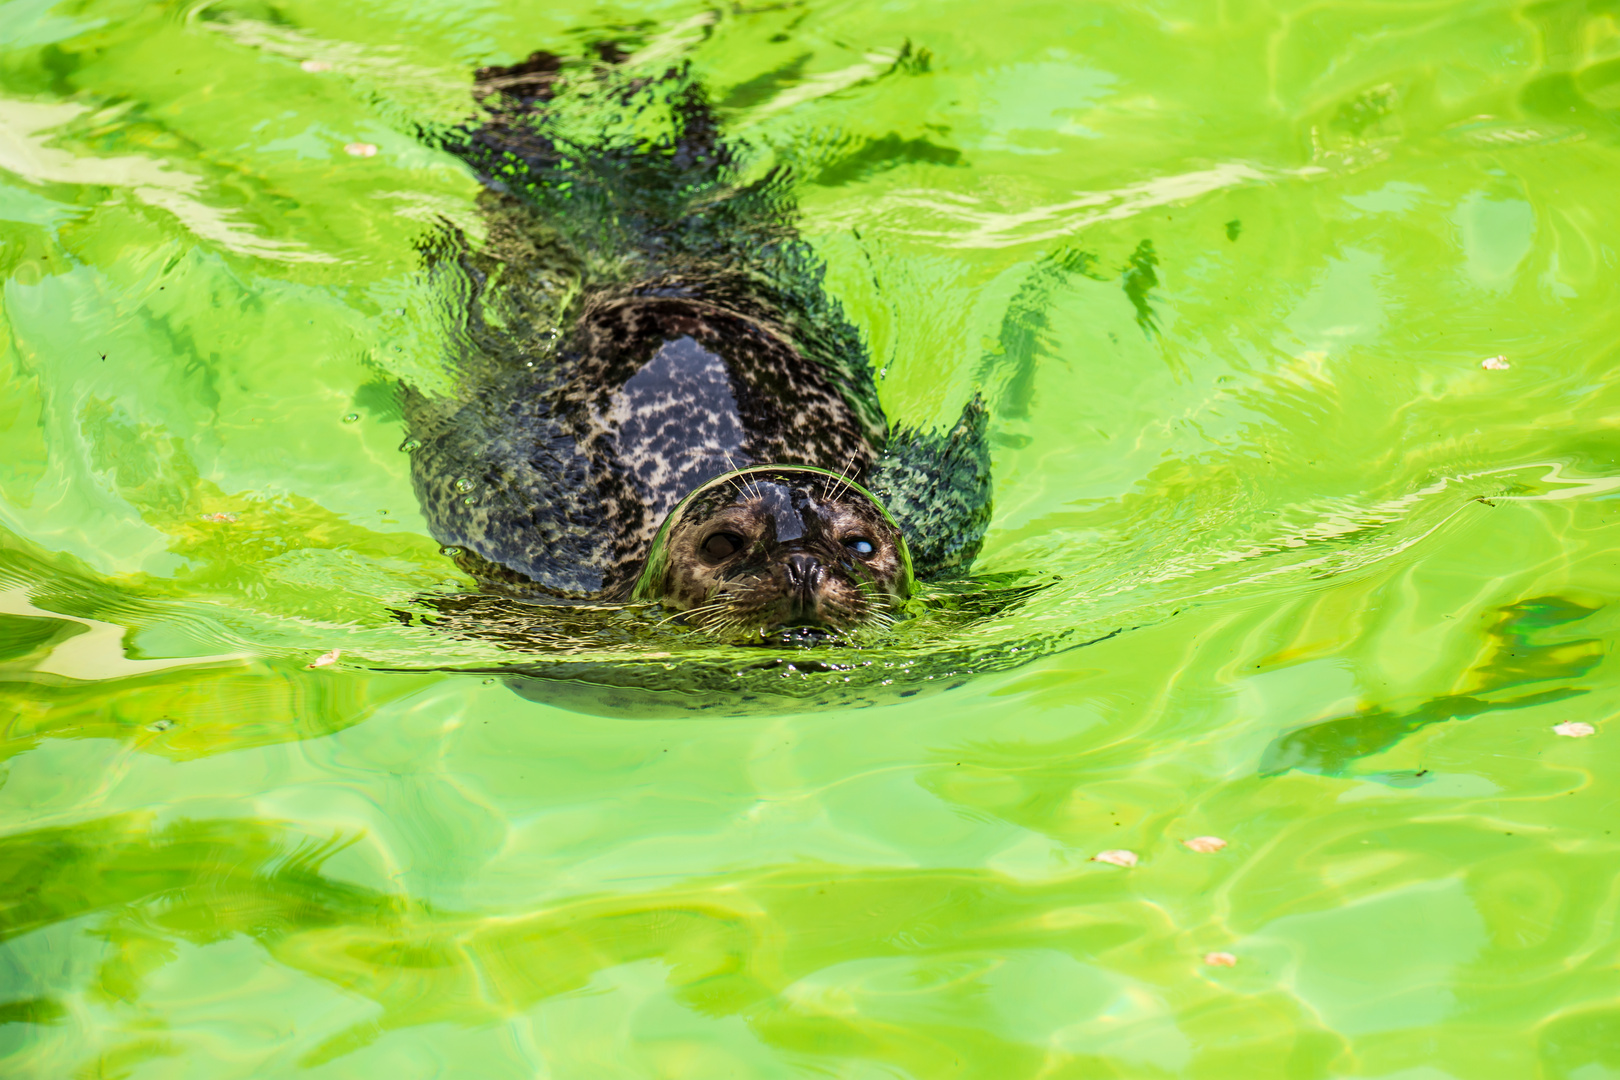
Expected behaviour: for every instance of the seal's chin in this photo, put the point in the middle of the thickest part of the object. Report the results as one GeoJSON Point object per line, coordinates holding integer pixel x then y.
{"type": "Point", "coordinates": [788, 622]}
{"type": "Point", "coordinates": [799, 636]}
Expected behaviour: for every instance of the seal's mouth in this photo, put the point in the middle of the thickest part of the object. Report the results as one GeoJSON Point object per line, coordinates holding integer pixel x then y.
{"type": "Point", "coordinates": [793, 629]}
{"type": "Point", "coordinates": [802, 619]}
{"type": "Point", "coordinates": [798, 635]}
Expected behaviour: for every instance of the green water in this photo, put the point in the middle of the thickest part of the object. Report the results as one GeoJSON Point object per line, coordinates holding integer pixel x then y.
{"type": "Point", "coordinates": [1227, 273]}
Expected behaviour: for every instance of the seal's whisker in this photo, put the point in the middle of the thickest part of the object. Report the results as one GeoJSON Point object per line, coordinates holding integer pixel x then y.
{"type": "Point", "coordinates": [707, 617]}
{"type": "Point", "coordinates": [752, 489]}
{"type": "Point", "coordinates": [844, 476]}
{"type": "Point", "coordinates": [868, 589]}
{"type": "Point", "coordinates": [723, 627]}
{"type": "Point", "coordinates": [714, 602]}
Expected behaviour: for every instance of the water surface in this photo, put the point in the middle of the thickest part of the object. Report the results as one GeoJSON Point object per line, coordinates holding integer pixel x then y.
{"type": "Point", "coordinates": [1229, 276]}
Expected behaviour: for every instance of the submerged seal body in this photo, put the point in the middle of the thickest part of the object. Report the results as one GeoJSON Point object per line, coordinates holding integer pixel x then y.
{"type": "Point", "coordinates": [654, 398]}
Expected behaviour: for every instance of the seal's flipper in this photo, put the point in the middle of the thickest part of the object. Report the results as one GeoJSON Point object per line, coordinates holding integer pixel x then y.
{"type": "Point", "coordinates": [628, 166]}
{"type": "Point", "coordinates": [634, 176]}
{"type": "Point", "coordinates": [937, 487]}
{"type": "Point", "coordinates": [526, 82]}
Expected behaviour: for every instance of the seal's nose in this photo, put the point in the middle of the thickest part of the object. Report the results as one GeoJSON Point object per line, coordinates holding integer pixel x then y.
{"type": "Point", "coordinates": [803, 571]}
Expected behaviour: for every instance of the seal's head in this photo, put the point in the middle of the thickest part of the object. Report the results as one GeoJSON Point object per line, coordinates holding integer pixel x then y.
{"type": "Point", "coordinates": [778, 555]}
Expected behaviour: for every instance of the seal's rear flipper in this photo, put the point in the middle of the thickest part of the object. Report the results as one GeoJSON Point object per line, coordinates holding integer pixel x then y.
{"type": "Point", "coordinates": [937, 487]}
{"type": "Point", "coordinates": [527, 82]}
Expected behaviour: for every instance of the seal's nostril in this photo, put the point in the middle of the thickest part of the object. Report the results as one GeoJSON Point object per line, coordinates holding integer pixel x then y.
{"type": "Point", "coordinates": [803, 571]}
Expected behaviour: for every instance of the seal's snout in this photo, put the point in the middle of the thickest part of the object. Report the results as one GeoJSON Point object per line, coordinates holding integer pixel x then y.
{"type": "Point", "coordinates": [803, 572]}
{"type": "Point", "coordinates": [805, 583]}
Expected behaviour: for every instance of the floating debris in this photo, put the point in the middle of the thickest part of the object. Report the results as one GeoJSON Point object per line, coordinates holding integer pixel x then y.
{"type": "Point", "coordinates": [1495, 363]}
{"type": "Point", "coordinates": [1574, 729]}
{"type": "Point", "coordinates": [1116, 856]}
{"type": "Point", "coordinates": [326, 659]}
{"type": "Point", "coordinates": [1220, 959]}
{"type": "Point", "coordinates": [360, 149]}
{"type": "Point", "coordinates": [1204, 845]}
{"type": "Point", "coordinates": [1489, 131]}
{"type": "Point", "coordinates": [313, 66]}
{"type": "Point", "coordinates": [223, 515]}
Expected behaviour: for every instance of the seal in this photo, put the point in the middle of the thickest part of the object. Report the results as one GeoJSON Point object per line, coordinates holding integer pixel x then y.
{"type": "Point", "coordinates": [654, 399]}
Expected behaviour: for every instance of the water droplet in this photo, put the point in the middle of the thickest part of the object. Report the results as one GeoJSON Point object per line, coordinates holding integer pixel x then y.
{"type": "Point", "coordinates": [160, 725]}
{"type": "Point", "coordinates": [399, 311]}
{"type": "Point", "coordinates": [452, 552]}
{"type": "Point", "coordinates": [469, 501]}
{"type": "Point", "coordinates": [351, 418]}
{"type": "Point", "coordinates": [409, 445]}
{"type": "Point", "coordinates": [463, 485]}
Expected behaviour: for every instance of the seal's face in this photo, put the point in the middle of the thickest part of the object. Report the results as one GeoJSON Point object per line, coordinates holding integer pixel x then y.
{"type": "Point", "coordinates": [779, 556]}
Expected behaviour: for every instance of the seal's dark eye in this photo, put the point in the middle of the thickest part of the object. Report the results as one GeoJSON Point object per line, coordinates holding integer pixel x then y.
{"type": "Point", "coordinates": [722, 545]}
{"type": "Point", "coordinates": [860, 545]}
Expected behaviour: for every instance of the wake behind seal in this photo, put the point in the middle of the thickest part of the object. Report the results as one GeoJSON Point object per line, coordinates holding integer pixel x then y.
{"type": "Point", "coordinates": [655, 398]}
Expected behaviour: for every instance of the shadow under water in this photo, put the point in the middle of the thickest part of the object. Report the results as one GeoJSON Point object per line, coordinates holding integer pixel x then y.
{"type": "Point", "coordinates": [1332, 747]}
{"type": "Point", "coordinates": [728, 946]}
{"type": "Point", "coordinates": [647, 664]}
